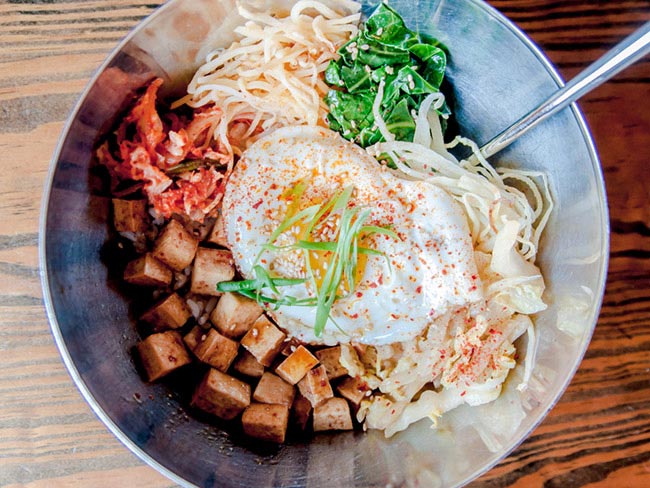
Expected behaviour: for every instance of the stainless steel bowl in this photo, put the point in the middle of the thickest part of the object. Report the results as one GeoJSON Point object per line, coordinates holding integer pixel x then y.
{"type": "Point", "coordinates": [497, 75]}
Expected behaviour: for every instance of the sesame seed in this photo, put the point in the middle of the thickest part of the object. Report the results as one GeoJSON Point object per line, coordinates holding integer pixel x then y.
{"type": "Point", "coordinates": [390, 70]}
{"type": "Point", "coordinates": [364, 47]}
{"type": "Point", "coordinates": [367, 68]}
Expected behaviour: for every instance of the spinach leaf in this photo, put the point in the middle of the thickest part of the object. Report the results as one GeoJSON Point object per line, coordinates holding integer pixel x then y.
{"type": "Point", "coordinates": [411, 66]}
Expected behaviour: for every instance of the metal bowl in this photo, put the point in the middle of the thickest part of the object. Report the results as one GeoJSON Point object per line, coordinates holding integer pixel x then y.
{"type": "Point", "coordinates": [497, 75]}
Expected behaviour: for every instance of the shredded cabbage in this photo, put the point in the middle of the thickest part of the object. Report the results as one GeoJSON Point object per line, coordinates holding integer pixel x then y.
{"type": "Point", "coordinates": [465, 356]}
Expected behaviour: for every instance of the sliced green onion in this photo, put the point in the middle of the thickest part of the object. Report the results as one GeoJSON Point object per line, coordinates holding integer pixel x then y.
{"type": "Point", "coordinates": [190, 165]}
{"type": "Point", "coordinates": [343, 258]}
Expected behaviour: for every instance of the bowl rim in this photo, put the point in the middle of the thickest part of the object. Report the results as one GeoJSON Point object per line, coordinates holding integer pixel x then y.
{"type": "Point", "coordinates": [489, 10]}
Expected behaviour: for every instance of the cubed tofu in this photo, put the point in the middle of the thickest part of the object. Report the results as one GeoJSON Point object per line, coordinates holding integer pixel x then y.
{"type": "Point", "coordinates": [289, 346]}
{"type": "Point", "coordinates": [296, 366]}
{"type": "Point", "coordinates": [222, 395]}
{"type": "Point", "coordinates": [169, 313]}
{"type": "Point", "coordinates": [246, 364]}
{"type": "Point", "coordinates": [130, 215]}
{"type": "Point", "coordinates": [301, 411]}
{"type": "Point", "coordinates": [215, 349]}
{"type": "Point", "coordinates": [193, 337]}
{"type": "Point", "coordinates": [211, 266]}
{"type": "Point", "coordinates": [266, 422]}
{"type": "Point", "coordinates": [235, 314]}
{"type": "Point", "coordinates": [353, 389]}
{"type": "Point", "coordinates": [263, 340]}
{"type": "Point", "coordinates": [175, 246]}
{"type": "Point", "coordinates": [218, 234]}
{"type": "Point", "coordinates": [329, 357]}
{"type": "Point", "coordinates": [273, 389]}
{"type": "Point", "coordinates": [315, 386]}
{"type": "Point", "coordinates": [147, 271]}
{"type": "Point", "coordinates": [162, 353]}
{"type": "Point", "coordinates": [332, 414]}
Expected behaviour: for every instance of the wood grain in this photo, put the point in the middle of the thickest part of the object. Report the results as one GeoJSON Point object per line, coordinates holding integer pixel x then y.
{"type": "Point", "coordinates": [599, 433]}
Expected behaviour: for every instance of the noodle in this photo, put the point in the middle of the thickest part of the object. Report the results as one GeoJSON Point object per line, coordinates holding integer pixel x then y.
{"type": "Point", "coordinates": [272, 76]}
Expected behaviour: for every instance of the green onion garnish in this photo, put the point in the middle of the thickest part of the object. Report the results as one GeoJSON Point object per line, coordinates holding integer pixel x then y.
{"type": "Point", "coordinates": [343, 255]}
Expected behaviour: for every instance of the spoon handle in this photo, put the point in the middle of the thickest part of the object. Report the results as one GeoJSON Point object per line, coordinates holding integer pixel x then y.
{"type": "Point", "coordinates": [628, 51]}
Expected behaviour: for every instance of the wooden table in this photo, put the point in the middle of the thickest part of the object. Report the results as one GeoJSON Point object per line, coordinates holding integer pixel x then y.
{"type": "Point", "coordinates": [598, 434]}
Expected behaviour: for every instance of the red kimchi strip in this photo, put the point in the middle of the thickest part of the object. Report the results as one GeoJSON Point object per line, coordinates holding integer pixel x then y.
{"type": "Point", "coordinates": [150, 149]}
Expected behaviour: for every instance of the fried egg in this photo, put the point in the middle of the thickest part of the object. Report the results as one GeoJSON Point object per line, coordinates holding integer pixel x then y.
{"type": "Point", "coordinates": [422, 271]}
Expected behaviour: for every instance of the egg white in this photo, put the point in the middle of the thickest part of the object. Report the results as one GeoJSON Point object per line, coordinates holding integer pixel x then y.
{"type": "Point", "coordinates": [428, 272]}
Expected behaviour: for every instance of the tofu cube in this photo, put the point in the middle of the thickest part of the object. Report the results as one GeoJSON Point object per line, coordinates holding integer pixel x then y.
{"type": "Point", "coordinates": [218, 233]}
{"type": "Point", "coordinates": [315, 386]}
{"type": "Point", "coordinates": [273, 389]}
{"type": "Point", "coordinates": [290, 346]}
{"type": "Point", "coordinates": [170, 313]}
{"type": "Point", "coordinates": [147, 271]}
{"type": "Point", "coordinates": [353, 389]}
{"type": "Point", "coordinates": [222, 395]}
{"type": "Point", "coordinates": [263, 340]}
{"type": "Point", "coordinates": [332, 414]}
{"type": "Point", "coordinates": [175, 246]}
{"type": "Point", "coordinates": [301, 411]}
{"type": "Point", "coordinates": [211, 266]}
{"type": "Point", "coordinates": [130, 215]}
{"type": "Point", "coordinates": [162, 353]}
{"type": "Point", "coordinates": [194, 336]}
{"type": "Point", "coordinates": [214, 349]}
{"type": "Point", "coordinates": [266, 422]}
{"type": "Point", "coordinates": [296, 366]}
{"type": "Point", "coordinates": [247, 365]}
{"type": "Point", "coordinates": [235, 314]}
{"type": "Point", "coordinates": [329, 358]}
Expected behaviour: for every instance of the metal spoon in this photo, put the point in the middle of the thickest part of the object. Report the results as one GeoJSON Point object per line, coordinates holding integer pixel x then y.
{"type": "Point", "coordinates": [628, 51]}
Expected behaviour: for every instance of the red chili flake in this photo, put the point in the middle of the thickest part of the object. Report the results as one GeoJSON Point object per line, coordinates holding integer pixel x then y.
{"type": "Point", "coordinates": [359, 294]}
{"type": "Point", "coordinates": [256, 205]}
{"type": "Point", "coordinates": [381, 279]}
{"type": "Point", "coordinates": [392, 412]}
{"type": "Point", "coordinates": [418, 289]}
{"type": "Point", "coordinates": [474, 277]}
{"type": "Point", "coordinates": [355, 316]}
{"type": "Point", "coordinates": [463, 393]}
{"type": "Point", "coordinates": [444, 271]}
{"type": "Point", "coordinates": [373, 285]}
